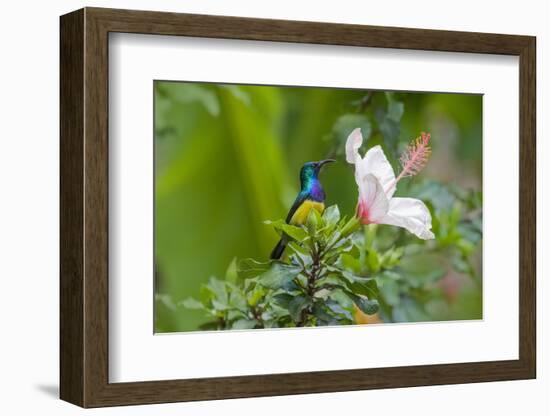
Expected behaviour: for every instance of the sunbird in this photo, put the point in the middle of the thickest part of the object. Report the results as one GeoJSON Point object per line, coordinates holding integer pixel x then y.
{"type": "Point", "coordinates": [311, 196]}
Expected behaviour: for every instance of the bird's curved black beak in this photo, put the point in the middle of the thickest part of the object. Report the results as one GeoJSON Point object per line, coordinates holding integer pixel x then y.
{"type": "Point", "coordinates": [321, 163]}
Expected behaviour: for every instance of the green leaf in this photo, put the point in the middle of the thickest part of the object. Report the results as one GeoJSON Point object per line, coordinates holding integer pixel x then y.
{"type": "Point", "coordinates": [370, 307]}
{"type": "Point", "coordinates": [369, 236]}
{"type": "Point", "coordinates": [366, 286]}
{"type": "Point", "coordinates": [395, 110]}
{"type": "Point", "coordinates": [297, 305]}
{"type": "Point", "coordinates": [300, 255]}
{"type": "Point", "coordinates": [283, 299]}
{"type": "Point", "coordinates": [219, 306]}
{"type": "Point", "coordinates": [234, 314]}
{"type": "Point", "coordinates": [350, 227]}
{"type": "Point", "coordinates": [373, 260]}
{"type": "Point", "coordinates": [237, 299]}
{"type": "Point", "coordinates": [336, 308]}
{"type": "Point", "coordinates": [340, 304]}
{"type": "Point", "coordinates": [209, 326]}
{"type": "Point", "coordinates": [278, 275]}
{"type": "Point", "coordinates": [390, 258]}
{"type": "Point", "coordinates": [215, 291]}
{"type": "Point", "coordinates": [314, 221]}
{"type": "Point", "coordinates": [461, 265]}
{"type": "Point", "coordinates": [296, 233]}
{"type": "Point", "coordinates": [347, 123]}
{"type": "Point", "coordinates": [166, 301]}
{"type": "Point", "coordinates": [187, 92]}
{"type": "Point", "coordinates": [255, 295]}
{"type": "Point", "coordinates": [244, 324]}
{"type": "Point", "coordinates": [231, 275]}
{"type": "Point", "coordinates": [389, 290]}
{"type": "Point", "coordinates": [249, 268]}
{"type": "Point", "coordinates": [218, 289]}
{"type": "Point", "coordinates": [321, 312]}
{"type": "Point", "coordinates": [191, 303]}
{"type": "Point", "coordinates": [238, 93]}
{"type": "Point", "coordinates": [350, 262]}
{"type": "Point", "coordinates": [409, 310]}
{"type": "Point", "coordinates": [331, 215]}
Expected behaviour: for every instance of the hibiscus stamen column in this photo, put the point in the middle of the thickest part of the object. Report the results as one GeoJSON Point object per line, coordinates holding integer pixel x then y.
{"type": "Point", "coordinates": [415, 157]}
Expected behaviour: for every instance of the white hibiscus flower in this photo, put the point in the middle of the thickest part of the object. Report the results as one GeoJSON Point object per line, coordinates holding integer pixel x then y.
{"type": "Point", "coordinates": [377, 184]}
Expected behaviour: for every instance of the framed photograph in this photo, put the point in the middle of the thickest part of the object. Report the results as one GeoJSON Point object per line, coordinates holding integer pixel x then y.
{"type": "Point", "coordinates": [255, 207]}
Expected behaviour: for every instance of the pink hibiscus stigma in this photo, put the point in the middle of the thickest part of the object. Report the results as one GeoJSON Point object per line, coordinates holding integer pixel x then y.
{"type": "Point", "coordinates": [415, 157]}
{"type": "Point", "coordinates": [377, 183]}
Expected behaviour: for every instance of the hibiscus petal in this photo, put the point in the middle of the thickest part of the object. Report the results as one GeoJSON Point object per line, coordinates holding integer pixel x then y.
{"type": "Point", "coordinates": [373, 204]}
{"type": "Point", "coordinates": [376, 163]}
{"type": "Point", "coordinates": [411, 214]}
{"type": "Point", "coordinates": [353, 143]}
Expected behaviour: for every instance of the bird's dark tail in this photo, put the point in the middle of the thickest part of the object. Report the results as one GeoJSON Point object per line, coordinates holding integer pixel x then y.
{"type": "Point", "coordinates": [279, 249]}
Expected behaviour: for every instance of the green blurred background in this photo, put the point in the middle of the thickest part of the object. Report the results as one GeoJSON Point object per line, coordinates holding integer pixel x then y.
{"type": "Point", "coordinates": [228, 156]}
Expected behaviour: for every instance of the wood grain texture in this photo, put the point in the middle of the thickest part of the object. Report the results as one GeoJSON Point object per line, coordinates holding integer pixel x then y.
{"type": "Point", "coordinates": [71, 100]}
{"type": "Point", "coordinates": [527, 208]}
{"type": "Point", "coordinates": [84, 207]}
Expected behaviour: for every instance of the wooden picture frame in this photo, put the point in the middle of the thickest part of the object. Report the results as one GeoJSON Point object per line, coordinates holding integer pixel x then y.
{"type": "Point", "coordinates": [84, 207]}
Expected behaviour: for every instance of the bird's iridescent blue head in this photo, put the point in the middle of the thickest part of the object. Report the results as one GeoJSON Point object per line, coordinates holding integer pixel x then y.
{"type": "Point", "coordinates": [309, 174]}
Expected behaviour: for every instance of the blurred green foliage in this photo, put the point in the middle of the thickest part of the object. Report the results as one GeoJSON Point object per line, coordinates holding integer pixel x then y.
{"type": "Point", "coordinates": [227, 159]}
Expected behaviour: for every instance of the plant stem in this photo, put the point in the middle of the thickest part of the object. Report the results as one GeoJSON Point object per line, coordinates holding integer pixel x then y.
{"type": "Point", "coordinates": [257, 314]}
{"type": "Point", "coordinates": [312, 277]}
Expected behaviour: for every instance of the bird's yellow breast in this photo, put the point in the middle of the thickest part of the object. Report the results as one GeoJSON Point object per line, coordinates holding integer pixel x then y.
{"type": "Point", "coordinates": [300, 216]}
